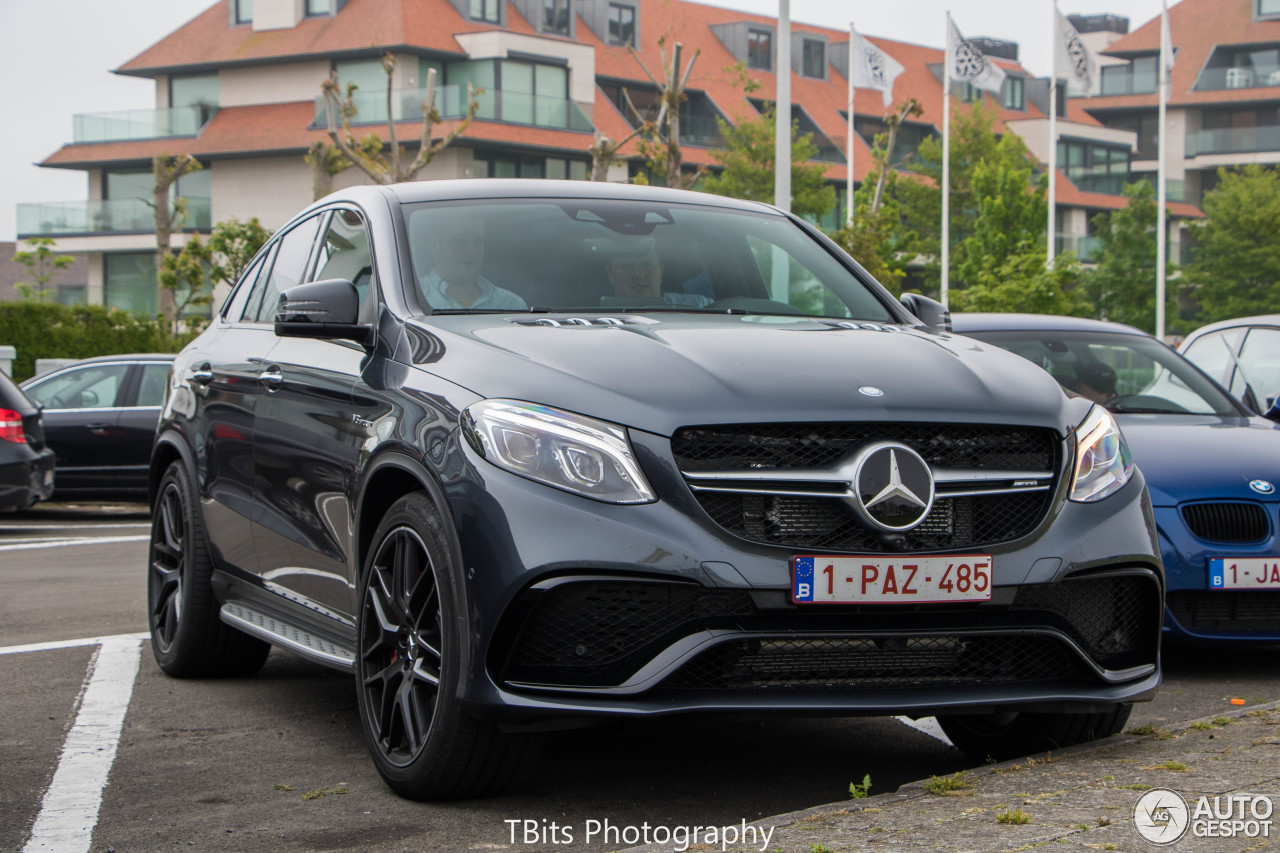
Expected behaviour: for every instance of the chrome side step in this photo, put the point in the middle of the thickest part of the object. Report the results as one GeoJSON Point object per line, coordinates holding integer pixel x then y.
{"type": "Point", "coordinates": [305, 643]}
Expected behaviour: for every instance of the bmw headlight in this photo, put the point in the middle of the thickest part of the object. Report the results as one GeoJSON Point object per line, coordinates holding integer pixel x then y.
{"type": "Point", "coordinates": [571, 452]}
{"type": "Point", "coordinates": [1103, 463]}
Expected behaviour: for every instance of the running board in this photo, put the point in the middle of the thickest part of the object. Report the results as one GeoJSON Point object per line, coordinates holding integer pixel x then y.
{"type": "Point", "coordinates": [287, 636]}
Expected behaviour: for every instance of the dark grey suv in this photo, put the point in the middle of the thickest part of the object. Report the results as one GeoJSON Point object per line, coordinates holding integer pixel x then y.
{"type": "Point", "coordinates": [517, 453]}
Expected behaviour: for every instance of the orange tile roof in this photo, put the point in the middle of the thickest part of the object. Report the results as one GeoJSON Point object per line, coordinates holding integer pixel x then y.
{"type": "Point", "coordinates": [1196, 27]}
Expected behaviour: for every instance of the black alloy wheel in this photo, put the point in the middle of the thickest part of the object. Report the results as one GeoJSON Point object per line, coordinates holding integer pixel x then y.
{"type": "Point", "coordinates": [187, 637]}
{"type": "Point", "coordinates": [409, 667]}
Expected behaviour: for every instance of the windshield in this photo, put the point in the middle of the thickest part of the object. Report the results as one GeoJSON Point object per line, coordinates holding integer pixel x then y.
{"type": "Point", "coordinates": [589, 255]}
{"type": "Point", "coordinates": [1126, 373]}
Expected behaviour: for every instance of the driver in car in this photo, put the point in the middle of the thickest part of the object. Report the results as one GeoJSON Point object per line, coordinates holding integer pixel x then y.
{"type": "Point", "coordinates": [457, 247]}
{"type": "Point", "coordinates": [636, 271]}
{"type": "Point", "coordinates": [1096, 382]}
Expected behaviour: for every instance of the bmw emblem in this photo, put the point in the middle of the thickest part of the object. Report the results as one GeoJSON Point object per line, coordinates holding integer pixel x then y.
{"type": "Point", "coordinates": [892, 487]}
{"type": "Point", "coordinates": [870, 391]}
{"type": "Point", "coordinates": [1262, 487]}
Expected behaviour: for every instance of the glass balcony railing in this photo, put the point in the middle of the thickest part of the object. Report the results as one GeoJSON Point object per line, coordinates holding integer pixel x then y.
{"type": "Point", "coordinates": [141, 124]}
{"type": "Point", "coordinates": [1086, 248]}
{"type": "Point", "coordinates": [1128, 82]}
{"type": "Point", "coordinates": [1234, 140]}
{"type": "Point", "coordinates": [451, 101]}
{"type": "Point", "coordinates": [1214, 79]}
{"type": "Point", "coordinates": [1114, 184]}
{"type": "Point", "coordinates": [129, 215]}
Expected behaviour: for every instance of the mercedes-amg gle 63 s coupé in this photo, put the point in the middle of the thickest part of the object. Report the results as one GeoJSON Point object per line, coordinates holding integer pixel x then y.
{"type": "Point", "coordinates": [520, 454]}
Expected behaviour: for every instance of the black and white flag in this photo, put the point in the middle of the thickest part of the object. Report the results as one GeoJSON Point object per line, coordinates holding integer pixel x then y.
{"type": "Point", "coordinates": [1071, 58]}
{"type": "Point", "coordinates": [872, 68]}
{"type": "Point", "coordinates": [967, 64]}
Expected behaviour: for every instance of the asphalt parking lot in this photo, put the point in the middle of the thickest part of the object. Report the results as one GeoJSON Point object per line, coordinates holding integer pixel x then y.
{"type": "Point", "coordinates": [276, 762]}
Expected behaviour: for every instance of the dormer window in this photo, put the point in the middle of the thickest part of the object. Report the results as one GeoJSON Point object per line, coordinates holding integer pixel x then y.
{"type": "Point", "coordinates": [319, 8]}
{"type": "Point", "coordinates": [486, 10]}
{"type": "Point", "coordinates": [555, 17]}
{"type": "Point", "coordinates": [760, 50]}
{"type": "Point", "coordinates": [243, 11]}
{"type": "Point", "coordinates": [1267, 8]}
{"type": "Point", "coordinates": [814, 59]}
{"type": "Point", "coordinates": [622, 24]}
{"type": "Point", "coordinates": [1013, 95]}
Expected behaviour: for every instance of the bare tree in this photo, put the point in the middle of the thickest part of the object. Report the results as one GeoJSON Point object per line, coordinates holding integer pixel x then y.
{"type": "Point", "coordinates": [604, 153]}
{"type": "Point", "coordinates": [167, 169]}
{"type": "Point", "coordinates": [661, 137]}
{"type": "Point", "coordinates": [325, 160]}
{"type": "Point", "coordinates": [909, 107]}
{"type": "Point", "coordinates": [366, 154]}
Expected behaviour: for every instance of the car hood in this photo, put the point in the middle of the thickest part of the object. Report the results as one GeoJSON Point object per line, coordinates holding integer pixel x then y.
{"type": "Point", "coordinates": [1197, 457]}
{"type": "Point", "coordinates": [658, 372]}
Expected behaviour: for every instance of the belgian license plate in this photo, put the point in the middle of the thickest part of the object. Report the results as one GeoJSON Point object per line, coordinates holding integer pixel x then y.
{"type": "Point", "coordinates": [880, 580]}
{"type": "Point", "coordinates": [1244, 573]}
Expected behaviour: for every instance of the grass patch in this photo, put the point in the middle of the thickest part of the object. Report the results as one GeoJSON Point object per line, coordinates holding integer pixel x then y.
{"type": "Point", "coordinates": [946, 785]}
{"type": "Point", "coordinates": [820, 848]}
{"type": "Point", "coordinates": [1138, 787]}
{"type": "Point", "coordinates": [323, 792]}
{"type": "Point", "coordinates": [858, 790]}
{"type": "Point", "coordinates": [1150, 729]}
{"type": "Point", "coordinates": [1177, 766]}
{"type": "Point", "coordinates": [1017, 817]}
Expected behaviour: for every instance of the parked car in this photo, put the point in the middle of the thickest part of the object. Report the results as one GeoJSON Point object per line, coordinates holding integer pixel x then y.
{"type": "Point", "coordinates": [1243, 355]}
{"type": "Point", "coordinates": [521, 453]}
{"type": "Point", "coordinates": [1212, 467]}
{"type": "Point", "coordinates": [100, 417]}
{"type": "Point", "coordinates": [26, 463]}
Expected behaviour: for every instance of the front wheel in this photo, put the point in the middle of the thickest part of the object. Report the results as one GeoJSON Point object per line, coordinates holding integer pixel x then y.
{"type": "Point", "coordinates": [408, 669]}
{"type": "Point", "coordinates": [1010, 734]}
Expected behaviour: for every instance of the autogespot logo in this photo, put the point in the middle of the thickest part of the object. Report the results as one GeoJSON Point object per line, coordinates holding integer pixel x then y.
{"type": "Point", "coordinates": [1161, 816]}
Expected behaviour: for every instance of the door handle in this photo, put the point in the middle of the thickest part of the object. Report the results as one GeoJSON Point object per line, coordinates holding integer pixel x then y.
{"type": "Point", "coordinates": [272, 378]}
{"type": "Point", "coordinates": [203, 376]}
{"type": "Point", "coordinates": [98, 428]}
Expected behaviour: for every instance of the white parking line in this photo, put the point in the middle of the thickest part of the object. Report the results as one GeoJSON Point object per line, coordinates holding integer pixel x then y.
{"type": "Point", "coordinates": [71, 644]}
{"type": "Point", "coordinates": [65, 525]}
{"type": "Point", "coordinates": [62, 543]}
{"type": "Point", "coordinates": [928, 726]}
{"type": "Point", "coordinates": [69, 812]}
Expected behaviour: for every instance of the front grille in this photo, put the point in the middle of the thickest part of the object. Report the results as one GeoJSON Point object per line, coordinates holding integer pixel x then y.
{"type": "Point", "coordinates": [601, 632]}
{"type": "Point", "coordinates": [866, 662]}
{"type": "Point", "coordinates": [1227, 522]}
{"type": "Point", "coordinates": [1226, 611]}
{"type": "Point", "coordinates": [829, 523]}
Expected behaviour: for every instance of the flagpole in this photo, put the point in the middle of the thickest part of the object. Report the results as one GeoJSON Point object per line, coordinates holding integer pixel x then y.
{"type": "Point", "coordinates": [946, 167]}
{"type": "Point", "coordinates": [849, 136]}
{"type": "Point", "coordinates": [782, 111]}
{"type": "Point", "coordinates": [1161, 215]}
{"type": "Point", "coordinates": [1053, 138]}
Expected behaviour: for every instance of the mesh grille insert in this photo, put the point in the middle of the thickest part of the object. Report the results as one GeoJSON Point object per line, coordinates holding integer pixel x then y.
{"type": "Point", "coordinates": [1227, 522]}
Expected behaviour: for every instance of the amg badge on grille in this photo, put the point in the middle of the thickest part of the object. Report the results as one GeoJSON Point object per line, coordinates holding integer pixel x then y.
{"type": "Point", "coordinates": [892, 487]}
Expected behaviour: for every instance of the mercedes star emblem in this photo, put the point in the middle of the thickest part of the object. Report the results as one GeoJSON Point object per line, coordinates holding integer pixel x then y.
{"type": "Point", "coordinates": [892, 487]}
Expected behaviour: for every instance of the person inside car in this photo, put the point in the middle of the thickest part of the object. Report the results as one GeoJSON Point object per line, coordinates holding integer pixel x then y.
{"type": "Point", "coordinates": [1096, 382]}
{"type": "Point", "coordinates": [638, 273]}
{"type": "Point", "coordinates": [457, 248]}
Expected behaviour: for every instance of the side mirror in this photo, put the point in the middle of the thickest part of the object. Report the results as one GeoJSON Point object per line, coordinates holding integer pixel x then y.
{"type": "Point", "coordinates": [327, 309]}
{"type": "Point", "coordinates": [931, 312]}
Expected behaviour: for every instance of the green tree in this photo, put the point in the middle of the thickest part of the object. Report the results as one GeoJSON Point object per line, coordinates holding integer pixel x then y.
{"type": "Point", "coordinates": [41, 263]}
{"type": "Point", "coordinates": [1122, 286]}
{"type": "Point", "coordinates": [191, 275]}
{"type": "Point", "coordinates": [1237, 267]}
{"type": "Point", "coordinates": [748, 160]}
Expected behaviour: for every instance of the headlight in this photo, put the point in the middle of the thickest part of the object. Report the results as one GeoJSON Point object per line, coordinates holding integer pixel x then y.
{"type": "Point", "coordinates": [1103, 463]}
{"type": "Point", "coordinates": [571, 452]}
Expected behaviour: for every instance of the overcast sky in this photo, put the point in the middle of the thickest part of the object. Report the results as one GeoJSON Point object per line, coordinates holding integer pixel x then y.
{"type": "Point", "coordinates": [57, 56]}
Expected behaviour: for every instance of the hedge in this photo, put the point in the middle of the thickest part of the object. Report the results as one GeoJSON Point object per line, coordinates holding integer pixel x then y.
{"type": "Point", "coordinates": [45, 330]}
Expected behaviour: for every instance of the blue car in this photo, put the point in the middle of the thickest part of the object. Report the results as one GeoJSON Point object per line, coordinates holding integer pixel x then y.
{"type": "Point", "coordinates": [1212, 466]}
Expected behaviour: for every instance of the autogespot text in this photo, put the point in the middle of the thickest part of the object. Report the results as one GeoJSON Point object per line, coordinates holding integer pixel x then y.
{"type": "Point", "coordinates": [606, 833]}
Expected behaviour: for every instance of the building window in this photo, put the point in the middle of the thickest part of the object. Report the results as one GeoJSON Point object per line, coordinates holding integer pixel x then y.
{"type": "Point", "coordinates": [243, 11]}
{"type": "Point", "coordinates": [318, 8]}
{"type": "Point", "coordinates": [486, 10]}
{"type": "Point", "coordinates": [1135, 78]}
{"type": "Point", "coordinates": [760, 50]}
{"type": "Point", "coordinates": [529, 166]}
{"type": "Point", "coordinates": [814, 62]}
{"type": "Point", "coordinates": [1013, 94]}
{"type": "Point", "coordinates": [555, 17]}
{"type": "Point", "coordinates": [622, 24]}
{"type": "Point", "coordinates": [966, 93]}
{"type": "Point", "coordinates": [129, 282]}
{"type": "Point", "coordinates": [1095, 168]}
{"type": "Point", "coordinates": [1268, 8]}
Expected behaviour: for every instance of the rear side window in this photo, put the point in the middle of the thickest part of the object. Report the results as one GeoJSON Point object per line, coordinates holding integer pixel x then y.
{"type": "Point", "coordinates": [151, 387]}
{"type": "Point", "coordinates": [288, 269]}
{"type": "Point", "coordinates": [93, 387]}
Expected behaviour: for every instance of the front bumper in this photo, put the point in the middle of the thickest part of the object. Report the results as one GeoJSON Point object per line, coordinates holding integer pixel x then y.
{"type": "Point", "coordinates": [583, 608]}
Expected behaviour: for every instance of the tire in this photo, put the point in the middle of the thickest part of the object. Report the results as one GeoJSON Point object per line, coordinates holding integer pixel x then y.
{"type": "Point", "coordinates": [409, 666]}
{"type": "Point", "coordinates": [187, 637]}
{"type": "Point", "coordinates": [1001, 736]}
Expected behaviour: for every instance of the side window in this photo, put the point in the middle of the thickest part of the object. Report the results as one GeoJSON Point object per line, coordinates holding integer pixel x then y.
{"type": "Point", "coordinates": [152, 386]}
{"type": "Point", "coordinates": [93, 387]}
{"type": "Point", "coordinates": [1211, 354]}
{"type": "Point", "coordinates": [1260, 361]}
{"type": "Point", "coordinates": [289, 266]}
{"type": "Point", "coordinates": [254, 304]}
{"type": "Point", "coordinates": [235, 306]}
{"type": "Point", "coordinates": [345, 253]}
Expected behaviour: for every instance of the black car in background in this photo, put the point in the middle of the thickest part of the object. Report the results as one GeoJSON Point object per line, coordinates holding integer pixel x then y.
{"type": "Point", "coordinates": [516, 454]}
{"type": "Point", "coordinates": [26, 463]}
{"type": "Point", "coordinates": [100, 418]}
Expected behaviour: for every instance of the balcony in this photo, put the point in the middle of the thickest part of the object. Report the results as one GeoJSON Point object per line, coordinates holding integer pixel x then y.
{"type": "Point", "coordinates": [1217, 79]}
{"type": "Point", "coordinates": [1086, 248]}
{"type": "Point", "coordinates": [1114, 184]}
{"type": "Point", "coordinates": [451, 101]}
{"type": "Point", "coordinates": [1234, 140]}
{"type": "Point", "coordinates": [121, 216]}
{"type": "Point", "coordinates": [1126, 81]}
{"type": "Point", "coordinates": [141, 124]}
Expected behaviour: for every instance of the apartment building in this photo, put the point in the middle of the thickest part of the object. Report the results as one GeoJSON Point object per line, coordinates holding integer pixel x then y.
{"type": "Point", "coordinates": [239, 88]}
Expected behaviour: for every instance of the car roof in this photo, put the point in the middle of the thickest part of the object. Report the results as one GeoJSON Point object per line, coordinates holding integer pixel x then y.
{"type": "Point", "coordinates": [981, 322]}
{"type": "Point", "coordinates": [1256, 320]}
{"type": "Point", "coordinates": [136, 356]}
